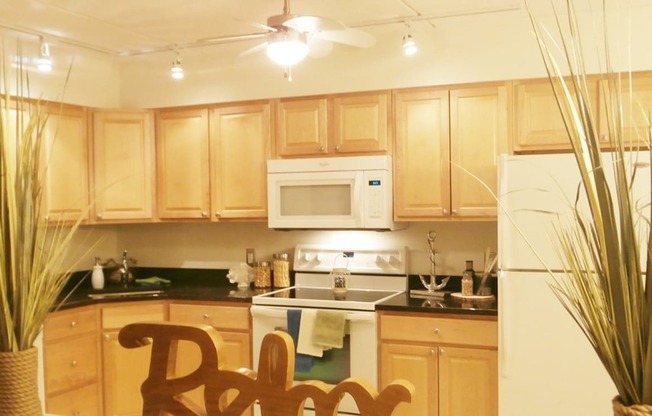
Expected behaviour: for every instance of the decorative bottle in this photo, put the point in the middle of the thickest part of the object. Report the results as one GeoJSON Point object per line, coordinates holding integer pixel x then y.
{"type": "Point", "coordinates": [97, 277]}
{"type": "Point", "coordinates": [467, 279]}
{"type": "Point", "coordinates": [281, 266]}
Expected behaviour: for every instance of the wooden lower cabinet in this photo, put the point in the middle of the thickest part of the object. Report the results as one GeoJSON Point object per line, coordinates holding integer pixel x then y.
{"type": "Point", "coordinates": [70, 359]}
{"type": "Point", "coordinates": [452, 362]}
{"type": "Point", "coordinates": [124, 370]}
{"type": "Point", "coordinates": [233, 324]}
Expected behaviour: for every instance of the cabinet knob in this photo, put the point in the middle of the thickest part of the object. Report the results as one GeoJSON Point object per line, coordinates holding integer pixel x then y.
{"type": "Point", "coordinates": [436, 331]}
{"type": "Point", "coordinates": [454, 212]}
{"type": "Point", "coordinates": [106, 337]}
{"type": "Point", "coordinates": [433, 351]}
{"type": "Point", "coordinates": [337, 148]}
{"type": "Point", "coordinates": [218, 214]}
{"type": "Point", "coordinates": [206, 316]}
{"type": "Point", "coordinates": [441, 351]}
{"type": "Point", "coordinates": [98, 216]}
{"type": "Point", "coordinates": [604, 137]}
{"type": "Point", "coordinates": [204, 214]}
{"type": "Point", "coordinates": [445, 211]}
{"type": "Point", "coordinates": [322, 149]}
{"type": "Point", "coordinates": [73, 324]}
{"type": "Point", "coordinates": [73, 363]}
{"type": "Point", "coordinates": [76, 413]}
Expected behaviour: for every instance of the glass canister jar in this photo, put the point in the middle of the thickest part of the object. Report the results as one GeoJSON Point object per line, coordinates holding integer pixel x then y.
{"type": "Point", "coordinates": [281, 266]}
{"type": "Point", "coordinates": [262, 274]}
{"type": "Point", "coordinates": [467, 279]}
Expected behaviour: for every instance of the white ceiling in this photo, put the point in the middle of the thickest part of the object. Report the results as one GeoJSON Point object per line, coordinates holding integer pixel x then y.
{"type": "Point", "coordinates": [131, 27]}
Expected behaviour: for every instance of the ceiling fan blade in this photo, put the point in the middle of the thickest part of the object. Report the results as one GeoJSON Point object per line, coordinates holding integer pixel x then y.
{"type": "Point", "coordinates": [232, 38]}
{"type": "Point", "coordinates": [253, 49]}
{"type": "Point", "coordinates": [348, 36]}
{"type": "Point", "coordinates": [310, 24]}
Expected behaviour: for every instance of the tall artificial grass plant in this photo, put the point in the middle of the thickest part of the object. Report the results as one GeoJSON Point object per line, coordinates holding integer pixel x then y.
{"type": "Point", "coordinates": [606, 289]}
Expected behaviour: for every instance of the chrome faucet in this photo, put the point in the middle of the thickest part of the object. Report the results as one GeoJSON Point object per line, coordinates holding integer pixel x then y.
{"type": "Point", "coordinates": [124, 270]}
{"type": "Point", "coordinates": [432, 286]}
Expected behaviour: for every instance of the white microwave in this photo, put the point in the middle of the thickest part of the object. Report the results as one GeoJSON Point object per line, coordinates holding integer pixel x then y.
{"type": "Point", "coordinates": [331, 193]}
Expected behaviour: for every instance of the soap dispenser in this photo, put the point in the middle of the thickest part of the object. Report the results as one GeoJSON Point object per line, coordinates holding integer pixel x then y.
{"type": "Point", "coordinates": [97, 277]}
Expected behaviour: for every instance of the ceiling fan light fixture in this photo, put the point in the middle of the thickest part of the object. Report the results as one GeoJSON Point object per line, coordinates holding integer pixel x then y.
{"type": "Point", "coordinates": [44, 61]}
{"type": "Point", "coordinates": [177, 70]}
{"type": "Point", "coordinates": [409, 45]}
{"type": "Point", "coordinates": [287, 47]}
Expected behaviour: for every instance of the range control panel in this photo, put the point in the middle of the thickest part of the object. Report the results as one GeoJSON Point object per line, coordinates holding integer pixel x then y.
{"type": "Point", "coordinates": [315, 258]}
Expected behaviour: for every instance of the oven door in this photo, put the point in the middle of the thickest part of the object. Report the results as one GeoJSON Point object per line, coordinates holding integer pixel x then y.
{"type": "Point", "coordinates": [357, 358]}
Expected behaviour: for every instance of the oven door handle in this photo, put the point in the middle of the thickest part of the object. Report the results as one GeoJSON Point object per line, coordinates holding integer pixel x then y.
{"type": "Point", "coordinates": [266, 312]}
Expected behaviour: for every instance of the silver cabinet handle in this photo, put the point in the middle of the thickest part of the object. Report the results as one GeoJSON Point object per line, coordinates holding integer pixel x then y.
{"type": "Point", "coordinates": [445, 211]}
{"type": "Point", "coordinates": [204, 214]}
{"type": "Point", "coordinates": [218, 214]}
{"type": "Point", "coordinates": [436, 331]}
{"type": "Point", "coordinates": [98, 216]}
{"type": "Point", "coordinates": [433, 351]}
{"type": "Point", "coordinates": [454, 212]}
{"type": "Point", "coordinates": [73, 324]}
{"type": "Point", "coordinates": [206, 316]}
{"type": "Point", "coordinates": [322, 149]}
{"type": "Point", "coordinates": [337, 148]}
{"type": "Point", "coordinates": [73, 363]}
{"type": "Point", "coordinates": [106, 337]}
{"type": "Point", "coordinates": [441, 351]}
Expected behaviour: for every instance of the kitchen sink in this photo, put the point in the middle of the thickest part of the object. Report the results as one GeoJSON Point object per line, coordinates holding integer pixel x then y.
{"type": "Point", "coordinates": [128, 294]}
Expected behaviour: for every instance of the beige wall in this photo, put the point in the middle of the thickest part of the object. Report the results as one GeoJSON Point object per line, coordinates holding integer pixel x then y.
{"type": "Point", "coordinates": [474, 48]}
{"type": "Point", "coordinates": [222, 245]}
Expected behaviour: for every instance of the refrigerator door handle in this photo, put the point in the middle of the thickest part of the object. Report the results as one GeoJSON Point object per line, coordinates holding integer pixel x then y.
{"type": "Point", "coordinates": [504, 339]}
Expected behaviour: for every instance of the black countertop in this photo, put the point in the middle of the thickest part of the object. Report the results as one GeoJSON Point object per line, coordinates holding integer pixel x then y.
{"type": "Point", "coordinates": [212, 285]}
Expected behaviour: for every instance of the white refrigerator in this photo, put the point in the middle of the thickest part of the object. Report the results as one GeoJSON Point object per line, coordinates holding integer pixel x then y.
{"type": "Point", "coordinates": [546, 365]}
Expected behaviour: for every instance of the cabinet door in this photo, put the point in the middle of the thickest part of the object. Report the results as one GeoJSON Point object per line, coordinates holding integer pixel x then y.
{"type": "Point", "coordinates": [478, 134]}
{"type": "Point", "coordinates": [182, 172]}
{"type": "Point", "coordinates": [417, 364]}
{"type": "Point", "coordinates": [636, 108]}
{"type": "Point", "coordinates": [421, 159]}
{"type": "Point", "coordinates": [240, 147]}
{"type": "Point", "coordinates": [123, 165]}
{"type": "Point", "coordinates": [538, 124]}
{"type": "Point", "coordinates": [468, 382]}
{"type": "Point", "coordinates": [301, 127]}
{"type": "Point", "coordinates": [66, 187]}
{"type": "Point", "coordinates": [84, 401]}
{"type": "Point", "coordinates": [360, 123]}
{"type": "Point", "coordinates": [124, 373]}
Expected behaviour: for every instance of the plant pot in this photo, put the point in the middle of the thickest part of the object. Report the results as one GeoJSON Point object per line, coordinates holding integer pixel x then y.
{"type": "Point", "coordinates": [19, 383]}
{"type": "Point", "coordinates": [633, 410]}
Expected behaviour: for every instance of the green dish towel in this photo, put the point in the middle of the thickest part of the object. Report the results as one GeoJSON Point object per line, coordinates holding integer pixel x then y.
{"type": "Point", "coordinates": [329, 328]}
{"type": "Point", "coordinates": [154, 280]}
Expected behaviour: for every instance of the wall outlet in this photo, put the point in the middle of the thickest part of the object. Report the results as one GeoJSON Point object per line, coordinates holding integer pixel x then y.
{"type": "Point", "coordinates": [251, 256]}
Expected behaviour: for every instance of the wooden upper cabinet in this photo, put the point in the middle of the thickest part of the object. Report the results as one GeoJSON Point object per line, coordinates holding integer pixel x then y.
{"type": "Point", "coordinates": [66, 190]}
{"type": "Point", "coordinates": [478, 134]}
{"type": "Point", "coordinates": [240, 147]}
{"type": "Point", "coordinates": [182, 164]}
{"type": "Point", "coordinates": [421, 167]}
{"type": "Point", "coordinates": [360, 123]}
{"type": "Point", "coordinates": [636, 108]}
{"type": "Point", "coordinates": [538, 125]}
{"type": "Point", "coordinates": [301, 126]}
{"type": "Point", "coordinates": [123, 165]}
{"type": "Point", "coordinates": [347, 124]}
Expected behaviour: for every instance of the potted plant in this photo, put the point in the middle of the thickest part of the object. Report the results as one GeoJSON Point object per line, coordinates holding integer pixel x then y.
{"type": "Point", "coordinates": [606, 290]}
{"type": "Point", "coordinates": [33, 270]}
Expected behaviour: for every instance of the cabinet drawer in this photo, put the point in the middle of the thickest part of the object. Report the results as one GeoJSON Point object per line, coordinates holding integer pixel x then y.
{"type": "Point", "coordinates": [70, 364]}
{"type": "Point", "coordinates": [220, 317]}
{"type": "Point", "coordinates": [70, 323]}
{"type": "Point", "coordinates": [119, 316]}
{"type": "Point", "coordinates": [439, 330]}
{"type": "Point", "coordinates": [81, 402]}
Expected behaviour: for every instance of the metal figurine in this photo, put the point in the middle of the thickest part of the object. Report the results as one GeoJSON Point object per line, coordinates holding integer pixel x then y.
{"type": "Point", "coordinates": [432, 286]}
